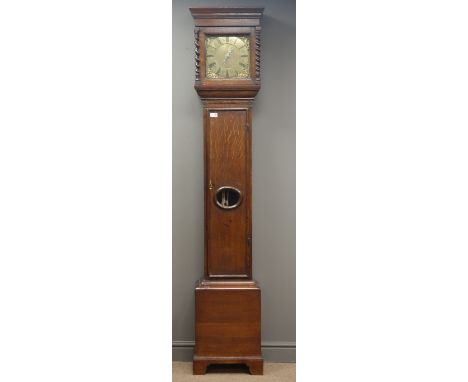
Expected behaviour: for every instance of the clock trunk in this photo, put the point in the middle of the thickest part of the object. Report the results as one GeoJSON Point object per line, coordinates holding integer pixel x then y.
{"type": "Point", "coordinates": [227, 164]}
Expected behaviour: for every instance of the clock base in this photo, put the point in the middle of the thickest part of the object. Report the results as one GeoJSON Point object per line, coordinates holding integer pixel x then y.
{"type": "Point", "coordinates": [200, 364]}
{"type": "Point", "coordinates": [227, 325]}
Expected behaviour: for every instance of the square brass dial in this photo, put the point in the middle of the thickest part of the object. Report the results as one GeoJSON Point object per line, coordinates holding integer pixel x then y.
{"type": "Point", "coordinates": [227, 57]}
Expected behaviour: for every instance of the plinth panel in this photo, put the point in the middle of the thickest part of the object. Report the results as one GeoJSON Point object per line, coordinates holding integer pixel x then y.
{"type": "Point", "coordinates": [227, 324]}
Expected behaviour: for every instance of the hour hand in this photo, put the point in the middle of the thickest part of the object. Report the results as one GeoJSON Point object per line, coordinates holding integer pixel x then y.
{"type": "Point", "coordinates": [227, 55]}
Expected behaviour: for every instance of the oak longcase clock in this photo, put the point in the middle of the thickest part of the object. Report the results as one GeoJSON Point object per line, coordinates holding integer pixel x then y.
{"type": "Point", "coordinates": [227, 78]}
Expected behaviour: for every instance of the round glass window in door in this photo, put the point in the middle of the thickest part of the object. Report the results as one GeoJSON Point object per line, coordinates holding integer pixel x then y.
{"type": "Point", "coordinates": [228, 197]}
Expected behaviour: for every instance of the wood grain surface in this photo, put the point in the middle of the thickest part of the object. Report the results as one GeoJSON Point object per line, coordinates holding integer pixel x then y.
{"type": "Point", "coordinates": [227, 164]}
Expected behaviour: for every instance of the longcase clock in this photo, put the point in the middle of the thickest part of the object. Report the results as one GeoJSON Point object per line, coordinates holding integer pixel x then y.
{"type": "Point", "coordinates": [227, 78]}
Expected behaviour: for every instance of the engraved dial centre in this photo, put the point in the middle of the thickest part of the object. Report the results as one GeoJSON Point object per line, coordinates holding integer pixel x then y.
{"type": "Point", "coordinates": [227, 57]}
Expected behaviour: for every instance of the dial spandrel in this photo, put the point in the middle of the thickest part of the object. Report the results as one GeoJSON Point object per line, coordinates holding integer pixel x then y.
{"type": "Point", "coordinates": [227, 57]}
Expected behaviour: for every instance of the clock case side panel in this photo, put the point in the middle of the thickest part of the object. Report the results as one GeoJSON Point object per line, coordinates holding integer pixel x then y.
{"type": "Point", "coordinates": [209, 189]}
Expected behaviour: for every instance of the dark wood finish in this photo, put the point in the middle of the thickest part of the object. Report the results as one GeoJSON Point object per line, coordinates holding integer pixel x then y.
{"type": "Point", "coordinates": [228, 234]}
{"type": "Point", "coordinates": [222, 21]}
{"type": "Point", "coordinates": [241, 14]}
{"type": "Point", "coordinates": [228, 301]}
{"type": "Point", "coordinates": [227, 329]}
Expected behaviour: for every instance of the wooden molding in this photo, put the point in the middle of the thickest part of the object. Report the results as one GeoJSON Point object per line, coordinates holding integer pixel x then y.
{"type": "Point", "coordinates": [272, 351]}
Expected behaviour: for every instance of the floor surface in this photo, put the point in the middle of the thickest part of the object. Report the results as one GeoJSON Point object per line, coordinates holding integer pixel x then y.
{"type": "Point", "coordinates": [274, 372]}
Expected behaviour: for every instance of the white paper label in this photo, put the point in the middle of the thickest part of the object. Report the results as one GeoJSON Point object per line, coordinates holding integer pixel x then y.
{"type": "Point", "coordinates": [214, 115]}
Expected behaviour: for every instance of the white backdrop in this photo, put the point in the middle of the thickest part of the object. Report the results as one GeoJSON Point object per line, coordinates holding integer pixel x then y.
{"type": "Point", "coordinates": [84, 197]}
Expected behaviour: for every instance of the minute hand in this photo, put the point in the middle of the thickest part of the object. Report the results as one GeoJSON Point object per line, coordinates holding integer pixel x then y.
{"type": "Point", "coordinates": [227, 55]}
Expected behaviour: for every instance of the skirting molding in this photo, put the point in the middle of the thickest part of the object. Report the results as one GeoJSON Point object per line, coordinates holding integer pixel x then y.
{"type": "Point", "coordinates": [273, 351]}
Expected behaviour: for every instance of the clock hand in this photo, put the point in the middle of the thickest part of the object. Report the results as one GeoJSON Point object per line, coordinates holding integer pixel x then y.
{"type": "Point", "coordinates": [227, 55]}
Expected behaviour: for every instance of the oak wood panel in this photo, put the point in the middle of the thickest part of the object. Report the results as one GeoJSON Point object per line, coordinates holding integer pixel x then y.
{"type": "Point", "coordinates": [227, 164]}
{"type": "Point", "coordinates": [226, 16]}
{"type": "Point", "coordinates": [227, 321]}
